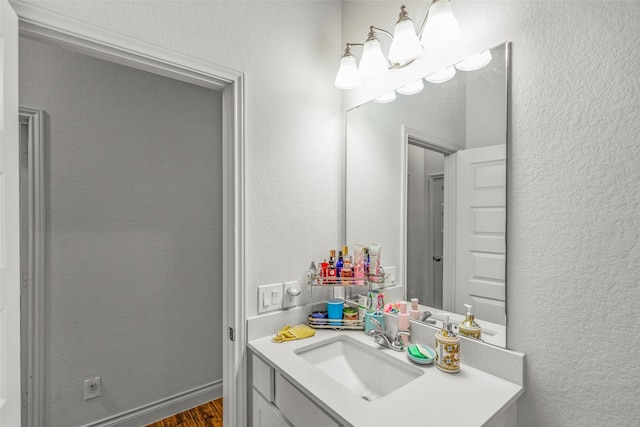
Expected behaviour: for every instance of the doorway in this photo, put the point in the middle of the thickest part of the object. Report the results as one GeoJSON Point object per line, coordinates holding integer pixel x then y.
{"type": "Point", "coordinates": [425, 219]}
{"type": "Point", "coordinates": [222, 345]}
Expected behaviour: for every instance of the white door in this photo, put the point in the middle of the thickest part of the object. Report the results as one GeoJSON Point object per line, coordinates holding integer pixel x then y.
{"type": "Point", "coordinates": [480, 241]}
{"type": "Point", "coordinates": [9, 221]}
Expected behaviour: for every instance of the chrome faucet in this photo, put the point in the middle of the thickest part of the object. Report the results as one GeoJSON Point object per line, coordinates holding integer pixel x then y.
{"type": "Point", "coordinates": [383, 338]}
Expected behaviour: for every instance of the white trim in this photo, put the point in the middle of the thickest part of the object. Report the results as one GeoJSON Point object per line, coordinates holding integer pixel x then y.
{"type": "Point", "coordinates": [160, 409]}
{"type": "Point", "coordinates": [449, 226]}
{"type": "Point", "coordinates": [40, 24]}
{"type": "Point", "coordinates": [430, 142]}
{"type": "Point", "coordinates": [36, 268]}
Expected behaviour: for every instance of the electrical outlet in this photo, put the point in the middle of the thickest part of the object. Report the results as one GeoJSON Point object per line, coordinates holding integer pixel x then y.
{"type": "Point", "coordinates": [91, 388]}
{"type": "Point", "coordinates": [270, 297]}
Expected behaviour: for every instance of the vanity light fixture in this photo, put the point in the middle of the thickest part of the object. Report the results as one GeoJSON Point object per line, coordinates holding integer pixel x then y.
{"type": "Point", "coordinates": [439, 27]}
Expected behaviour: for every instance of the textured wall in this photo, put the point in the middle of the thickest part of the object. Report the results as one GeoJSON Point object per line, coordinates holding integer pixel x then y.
{"type": "Point", "coordinates": [573, 220]}
{"type": "Point", "coordinates": [574, 199]}
{"type": "Point", "coordinates": [134, 183]}
{"type": "Point", "coordinates": [293, 114]}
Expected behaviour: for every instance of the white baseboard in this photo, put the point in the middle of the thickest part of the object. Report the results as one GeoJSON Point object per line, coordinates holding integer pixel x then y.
{"type": "Point", "coordinates": [163, 408]}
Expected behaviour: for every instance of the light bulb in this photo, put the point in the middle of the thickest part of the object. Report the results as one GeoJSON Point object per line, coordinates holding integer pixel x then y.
{"type": "Point", "coordinates": [387, 97]}
{"type": "Point", "coordinates": [441, 76]}
{"type": "Point", "coordinates": [441, 27]}
{"type": "Point", "coordinates": [411, 88]}
{"type": "Point", "coordinates": [348, 76]}
{"type": "Point", "coordinates": [405, 45]}
{"type": "Point", "coordinates": [373, 62]}
{"type": "Point", "coordinates": [474, 62]}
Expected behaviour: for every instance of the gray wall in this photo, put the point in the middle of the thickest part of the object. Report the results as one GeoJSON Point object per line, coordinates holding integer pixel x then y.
{"type": "Point", "coordinates": [134, 232]}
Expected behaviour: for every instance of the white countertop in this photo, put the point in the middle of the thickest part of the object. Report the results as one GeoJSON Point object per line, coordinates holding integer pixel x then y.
{"type": "Point", "coordinates": [468, 398]}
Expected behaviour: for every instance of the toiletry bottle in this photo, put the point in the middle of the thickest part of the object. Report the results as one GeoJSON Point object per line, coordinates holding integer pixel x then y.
{"type": "Point", "coordinates": [312, 274]}
{"type": "Point", "coordinates": [366, 261]}
{"type": "Point", "coordinates": [468, 327]}
{"type": "Point", "coordinates": [358, 264]}
{"type": "Point", "coordinates": [346, 269]}
{"type": "Point", "coordinates": [331, 271]}
{"type": "Point", "coordinates": [339, 264]}
{"type": "Point", "coordinates": [447, 348]}
{"type": "Point", "coordinates": [324, 271]}
{"type": "Point", "coordinates": [403, 321]}
{"type": "Point", "coordinates": [414, 311]}
{"type": "Point", "coordinates": [374, 259]}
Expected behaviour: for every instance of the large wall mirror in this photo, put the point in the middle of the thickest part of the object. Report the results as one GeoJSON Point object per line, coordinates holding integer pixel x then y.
{"type": "Point", "coordinates": [426, 179]}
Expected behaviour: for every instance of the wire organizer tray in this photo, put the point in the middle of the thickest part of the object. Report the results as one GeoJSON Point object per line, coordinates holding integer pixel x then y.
{"type": "Point", "coordinates": [335, 324]}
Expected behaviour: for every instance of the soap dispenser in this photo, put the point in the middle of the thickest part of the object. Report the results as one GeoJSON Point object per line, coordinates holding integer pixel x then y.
{"type": "Point", "coordinates": [468, 327]}
{"type": "Point", "coordinates": [447, 348]}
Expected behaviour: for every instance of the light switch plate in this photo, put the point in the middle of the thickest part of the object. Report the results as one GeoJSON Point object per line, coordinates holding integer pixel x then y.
{"type": "Point", "coordinates": [270, 297]}
{"type": "Point", "coordinates": [391, 271]}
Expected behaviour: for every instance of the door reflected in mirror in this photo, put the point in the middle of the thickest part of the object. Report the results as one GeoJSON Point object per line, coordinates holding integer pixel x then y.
{"type": "Point", "coordinates": [426, 178]}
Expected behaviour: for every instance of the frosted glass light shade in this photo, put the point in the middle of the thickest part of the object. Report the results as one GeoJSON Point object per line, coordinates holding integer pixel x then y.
{"type": "Point", "coordinates": [441, 27]}
{"type": "Point", "coordinates": [475, 62]}
{"type": "Point", "coordinates": [411, 88]}
{"type": "Point", "coordinates": [348, 76]}
{"type": "Point", "coordinates": [442, 76]}
{"type": "Point", "coordinates": [387, 97]}
{"type": "Point", "coordinates": [373, 62]}
{"type": "Point", "coordinates": [406, 45]}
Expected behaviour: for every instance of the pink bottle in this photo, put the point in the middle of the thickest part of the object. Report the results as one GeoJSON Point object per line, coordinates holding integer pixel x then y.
{"type": "Point", "coordinates": [414, 312]}
{"type": "Point", "coordinates": [403, 321]}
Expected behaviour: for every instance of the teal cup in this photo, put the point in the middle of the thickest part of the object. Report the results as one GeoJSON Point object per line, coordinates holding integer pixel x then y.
{"type": "Point", "coordinates": [334, 310]}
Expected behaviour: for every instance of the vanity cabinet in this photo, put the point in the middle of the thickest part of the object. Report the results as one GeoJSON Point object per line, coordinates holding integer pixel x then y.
{"type": "Point", "coordinates": [277, 402]}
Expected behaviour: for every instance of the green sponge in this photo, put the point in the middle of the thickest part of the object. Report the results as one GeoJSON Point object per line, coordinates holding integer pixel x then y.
{"type": "Point", "coordinates": [415, 352]}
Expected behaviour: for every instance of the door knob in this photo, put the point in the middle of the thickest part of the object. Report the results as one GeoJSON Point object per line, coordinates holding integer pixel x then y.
{"type": "Point", "coordinates": [437, 258]}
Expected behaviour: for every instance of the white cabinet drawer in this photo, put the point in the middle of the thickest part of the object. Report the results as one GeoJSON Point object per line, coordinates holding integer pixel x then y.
{"type": "Point", "coordinates": [297, 408]}
{"type": "Point", "coordinates": [262, 377]}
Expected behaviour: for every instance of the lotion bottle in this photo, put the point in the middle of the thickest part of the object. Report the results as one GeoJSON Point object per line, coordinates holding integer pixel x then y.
{"type": "Point", "coordinates": [403, 321]}
{"type": "Point", "coordinates": [447, 348]}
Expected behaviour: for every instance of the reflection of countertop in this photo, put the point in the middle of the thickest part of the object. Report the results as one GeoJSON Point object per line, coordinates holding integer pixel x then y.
{"type": "Point", "coordinates": [469, 398]}
{"type": "Point", "coordinates": [492, 333]}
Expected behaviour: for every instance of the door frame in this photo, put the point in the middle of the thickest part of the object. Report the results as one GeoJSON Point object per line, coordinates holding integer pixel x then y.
{"type": "Point", "coordinates": [411, 136]}
{"type": "Point", "coordinates": [43, 25]}
{"type": "Point", "coordinates": [432, 231]}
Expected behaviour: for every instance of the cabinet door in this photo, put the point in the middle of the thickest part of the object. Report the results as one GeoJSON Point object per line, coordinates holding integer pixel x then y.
{"type": "Point", "coordinates": [265, 415]}
{"type": "Point", "coordinates": [297, 408]}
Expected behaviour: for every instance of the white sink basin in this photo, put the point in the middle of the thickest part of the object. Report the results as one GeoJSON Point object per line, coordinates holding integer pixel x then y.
{"type": "Point", "coordinates": [367, 371]}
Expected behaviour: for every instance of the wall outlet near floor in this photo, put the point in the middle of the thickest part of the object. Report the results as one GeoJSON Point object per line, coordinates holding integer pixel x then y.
{"type": "Point", "coordinates": [91, 388]}
{"type": "Point", "coordinates": [270, 297]}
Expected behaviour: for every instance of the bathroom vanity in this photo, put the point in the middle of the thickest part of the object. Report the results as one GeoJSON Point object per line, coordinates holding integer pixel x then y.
{"type": "Point", "coordinates": [307, 383]}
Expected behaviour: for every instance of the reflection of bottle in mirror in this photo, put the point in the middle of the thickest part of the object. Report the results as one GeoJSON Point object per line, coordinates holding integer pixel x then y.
{"type": "Point", "coordinates": [468, 327]}
{"type": "Point", "coordinates": [414, 311]}
{"type": "Point", "coordinates": [366, 261]}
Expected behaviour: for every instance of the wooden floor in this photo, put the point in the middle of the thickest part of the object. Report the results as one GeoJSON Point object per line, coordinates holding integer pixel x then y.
{"type": "Point", "coordinates": [207, 415]}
